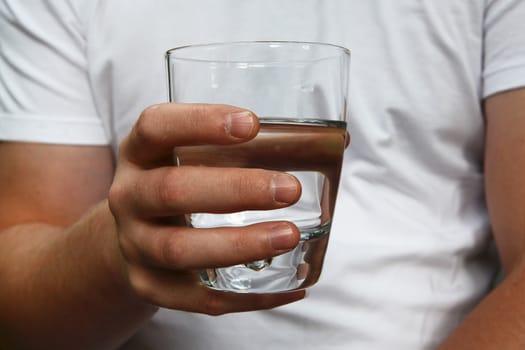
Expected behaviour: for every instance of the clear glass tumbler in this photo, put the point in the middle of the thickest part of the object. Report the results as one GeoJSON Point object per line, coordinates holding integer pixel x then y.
{"type": "Point", "coordinates": [299, 91]}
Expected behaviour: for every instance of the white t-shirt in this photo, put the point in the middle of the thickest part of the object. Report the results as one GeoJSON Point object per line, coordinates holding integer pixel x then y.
{"type": "Point", "coordinates": [408, 255]}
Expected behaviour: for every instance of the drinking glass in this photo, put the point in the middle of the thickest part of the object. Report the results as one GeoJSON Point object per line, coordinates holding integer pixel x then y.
{"type": "Point", "coordinates": [299, 92]}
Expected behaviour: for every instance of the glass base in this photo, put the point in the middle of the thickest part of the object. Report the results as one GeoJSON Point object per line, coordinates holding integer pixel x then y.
{"type": "Point", "coordinates": [297, 269]}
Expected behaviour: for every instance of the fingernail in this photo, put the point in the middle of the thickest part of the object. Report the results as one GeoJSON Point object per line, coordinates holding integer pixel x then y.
{"type": "Point", "coordinates": [283, 237]}
{"type": "Point", "coordinates": [284, 188]}
{"type": "Point", "coordinates": [240, 124]}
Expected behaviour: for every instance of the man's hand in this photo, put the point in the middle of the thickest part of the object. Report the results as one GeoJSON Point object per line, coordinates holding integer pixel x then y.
{"type": "Point", "coordinates": [149, 198]}
{"type": "Point", "coordinates": [76, 275]}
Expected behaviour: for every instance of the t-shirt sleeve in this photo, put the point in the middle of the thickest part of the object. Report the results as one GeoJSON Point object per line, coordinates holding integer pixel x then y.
{"type": "Point", "coordinates": [504, 47]}
{"type": "Point", "coordinates": [45, 95]}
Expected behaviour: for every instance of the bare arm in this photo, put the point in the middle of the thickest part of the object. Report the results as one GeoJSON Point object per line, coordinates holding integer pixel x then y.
{"type": "Point", "coordinates": [499, 321]}
{"type": "Point", "coordinates": [84, 272]}
{"type": "Point", "coordinates": [58, 278]}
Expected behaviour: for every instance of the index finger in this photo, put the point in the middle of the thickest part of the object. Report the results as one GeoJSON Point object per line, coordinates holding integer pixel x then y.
{"type": "Point", "coordinates": [162, 127]}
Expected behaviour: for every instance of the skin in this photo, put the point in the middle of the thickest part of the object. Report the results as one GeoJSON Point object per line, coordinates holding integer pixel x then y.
{"type": "Point", "coordinates": [99, 255]}
{"type": "Point", "coordinates": [498, 322]}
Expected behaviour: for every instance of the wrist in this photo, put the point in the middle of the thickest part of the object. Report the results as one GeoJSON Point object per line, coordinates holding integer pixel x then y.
{"type": "Point", "coordinates": [102, 227]}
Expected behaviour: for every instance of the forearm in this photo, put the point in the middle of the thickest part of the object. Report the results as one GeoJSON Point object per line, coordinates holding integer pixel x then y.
{"type": "Point", "coordinates": [498, 322]}
{"type": "Point", "coordinates": [44, 302]}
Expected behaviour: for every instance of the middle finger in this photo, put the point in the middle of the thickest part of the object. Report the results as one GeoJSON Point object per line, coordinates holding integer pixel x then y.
{"type": "Point", "coordinates": [187, 189]}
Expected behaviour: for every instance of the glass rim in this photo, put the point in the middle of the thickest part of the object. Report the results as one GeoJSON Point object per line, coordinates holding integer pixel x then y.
{"type": "Point", "coordinates": [171, 53]}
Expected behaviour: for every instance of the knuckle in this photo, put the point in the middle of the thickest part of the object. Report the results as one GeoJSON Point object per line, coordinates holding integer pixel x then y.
{"type": "Point", "coordinates": [140, 285]}
{"type": "Point", "coordinates": [240, 185]}
{"type": "Point", "coordinates": [242, 243]}
{"type": "Point", "coordinates": [122, 146]}
{"type": "Point", "coordinates": [116, 196]}
{"type": "Point", "coordinates": [168, 189]}
{"type": "Point", "coordinates": [142, 129]}
{"type": "Point", "coordinates": [209, 122]}
{"type": "Point", "coordinates": [214, 304]}
{"type": "Point", "coordinates": [127, 247]}
{"type": "Point", "coordinates": [199, 110]}
{"type": "Point", "coordinates": [251, 186]}
{"type": "Point", "coordinates": [200, 117]}
{"type": "Point", "coordinates": [174, 254]}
